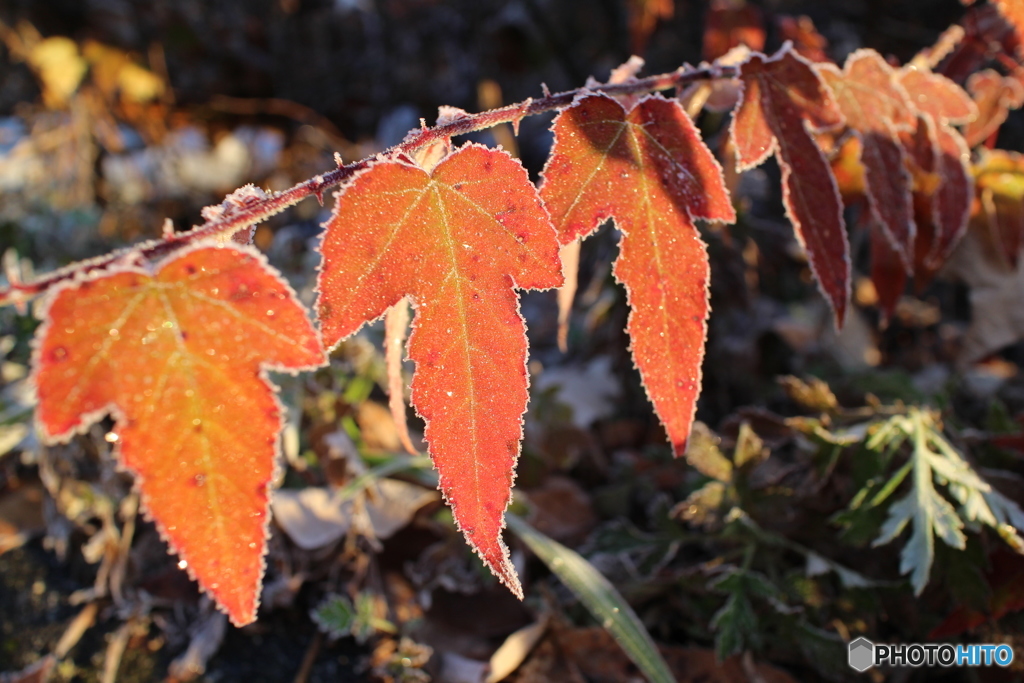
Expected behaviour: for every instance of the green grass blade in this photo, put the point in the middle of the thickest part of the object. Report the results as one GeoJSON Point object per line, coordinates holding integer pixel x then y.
{"type": "Point", "coordinates": [600, 597]}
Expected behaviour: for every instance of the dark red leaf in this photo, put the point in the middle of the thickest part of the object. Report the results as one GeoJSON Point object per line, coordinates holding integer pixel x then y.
{"type": "Point", "coordinates": [806, 40]}
{"type": "Point", "coordinates": [782, 96]}
{"type": "Point", "coordinates": [954, 194]}
{"type": "Point", "coordinates": [876, 107]}
{"type": "Point", "coordinates": [888, 274]}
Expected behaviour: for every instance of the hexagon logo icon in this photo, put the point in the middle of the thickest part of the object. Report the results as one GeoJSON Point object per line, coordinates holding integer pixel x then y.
{"type": "Point", "coordinates": [862, 654]}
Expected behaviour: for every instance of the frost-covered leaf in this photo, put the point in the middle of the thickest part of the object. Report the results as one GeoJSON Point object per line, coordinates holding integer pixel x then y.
{"type": "Point", "coordinates": [954, 194]}
{"type": "Point", "coordinates": [888, 273]}
{"type": "Point", "coordinates": [178, 355]}
{"type": "Point", "coordinates": [933, 460]}
{"type": "Point", "coordinates": [876, 107]}
{"type": "Point", "coordinates": [649, 170]}
{"type": "Point", "coordinates": [937, 96]}
{"type": "Point", "coordinates": [782, 97]}
{"type": "Point", "coordinates": [922, 155]}
{"type": "Point", "coordinates": [1006, 511]}
{"type": "Point", "coordinates": [940, 103]}
{"type": "Point", "coordinates": [994, 95]}
{"type": "Point", "coordinates": [457, 240]}
{"type": "Point", "coordinates": [314, 517]}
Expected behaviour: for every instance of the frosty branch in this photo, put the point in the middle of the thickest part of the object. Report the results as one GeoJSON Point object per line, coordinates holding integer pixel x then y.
{"type": "Point", "coordinates": [240, 217]}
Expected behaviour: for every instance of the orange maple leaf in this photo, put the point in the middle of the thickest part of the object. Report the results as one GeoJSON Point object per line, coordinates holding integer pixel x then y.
{"type": "Point", "coordinates": [458, 240]}
{"type": "Point", "coordinates": [178, 357]}
{"type": "Point", "coordinates": [649, 170]}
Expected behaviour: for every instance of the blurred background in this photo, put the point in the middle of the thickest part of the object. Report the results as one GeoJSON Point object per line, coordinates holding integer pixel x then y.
{"type": "Point", "coordinates": [116, 115]}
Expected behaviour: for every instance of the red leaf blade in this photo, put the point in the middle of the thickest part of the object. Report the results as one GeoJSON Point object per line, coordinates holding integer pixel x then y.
{"type": "Point", "coordinates": [781, 96]}
{"type": "Point", "coordinates": [457, 241]}
{"type": "Point", "coordinates": [875, 107]}
{"type": "Point", "coordinates": [994, 96]}
{"type": "Point", "coordinates": [954, 194]}
{"type": "Point", "coordinates": [888, 274]}
{"type": "Point", "coordinates": [177, 356]}
{"type": "Point", "coordinates": [648, 169]}
{"type": "Point", "coordinates": [1013, 11]}
{"type": "Point", "coordinates": [934, 94]}
{"type": "Point", "coordinates": [941, 103]}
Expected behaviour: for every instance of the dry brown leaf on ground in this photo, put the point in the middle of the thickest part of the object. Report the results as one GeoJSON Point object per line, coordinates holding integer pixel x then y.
{"type": "Point", "coordinates": [561, 509]}
{"type": "Point", "coordinates": [377, 427]}
{"type": "Point", "coordinates": [516, 648]}
{"type": "Point", "coordinates": [21, 515]}
{"type": "Point", "coordinates": [591, 390]}
{"type": "Point", "coordinates": [997, 307]}
{"type": "Point", "coordinates": [315, 517]}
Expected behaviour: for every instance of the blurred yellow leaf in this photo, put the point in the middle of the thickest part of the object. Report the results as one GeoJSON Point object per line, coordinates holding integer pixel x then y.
{"type": "Point", "coordinates": [113, 71]}
{"type": "Point", "coordinates": [139, 84]}
{"type": "Point", "coordinates": [60, 68]}
{"type": "Point", "coordinates": [1002, 172]}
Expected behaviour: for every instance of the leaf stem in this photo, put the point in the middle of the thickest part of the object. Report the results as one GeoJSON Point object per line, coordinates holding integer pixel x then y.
{"type": "Point", "coordinates": [235, 218]}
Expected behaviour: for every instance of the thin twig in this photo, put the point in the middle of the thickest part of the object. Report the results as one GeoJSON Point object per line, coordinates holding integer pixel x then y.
{"type": "Point", "coordinates": [237, 218]}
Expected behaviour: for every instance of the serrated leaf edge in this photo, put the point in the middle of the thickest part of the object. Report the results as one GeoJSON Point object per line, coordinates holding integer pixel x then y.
{"type": "Point", "coordinates": [87, 420]}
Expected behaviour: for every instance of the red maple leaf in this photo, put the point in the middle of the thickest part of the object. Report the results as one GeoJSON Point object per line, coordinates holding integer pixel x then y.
{"type": "Point", "coordinates": [458, 240]}
{"type": "Point", "coordinates": [941, 102]}
{"type": "Point", "coordinates": [178, 356]}
{"type": "Point", "coordinates": [649, 170]}
{"type": "Point", "coordinates": [934, 94]}
{"type": "Point", "coordinates": [888, 273]}
{"type": "Point", "coordinates": [729, 23]}
{"type": "Point", "coordinates": [876, 108]}
{"type": "Point", "coordinates": [806, 40]}
{"type": "Point", "coordinates": [782, 96]}
{"type": "Point", "coordinates": [1013, 11]}
{"type": "Point", "coordinates": [994, 95]}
